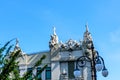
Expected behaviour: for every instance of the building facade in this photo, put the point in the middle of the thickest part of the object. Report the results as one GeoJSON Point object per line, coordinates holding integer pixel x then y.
{"type": "Point", "coordinates": [61, 59]}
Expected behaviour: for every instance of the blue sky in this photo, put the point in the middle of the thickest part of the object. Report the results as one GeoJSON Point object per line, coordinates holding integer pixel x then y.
{"type": "Point", "coordinates": [32, 23]}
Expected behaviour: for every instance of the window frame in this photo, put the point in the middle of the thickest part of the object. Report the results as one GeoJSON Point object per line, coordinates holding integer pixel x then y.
{"type": "Point", "coordinates": [48, 70]}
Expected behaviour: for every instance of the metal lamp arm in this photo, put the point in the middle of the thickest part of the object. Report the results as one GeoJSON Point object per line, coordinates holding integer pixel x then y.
{"type": "Point", "coordinates": [102, 60]}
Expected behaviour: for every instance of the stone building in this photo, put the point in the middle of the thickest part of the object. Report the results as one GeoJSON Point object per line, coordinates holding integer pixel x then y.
{"type": "Point", "coordinates": [61, 58]}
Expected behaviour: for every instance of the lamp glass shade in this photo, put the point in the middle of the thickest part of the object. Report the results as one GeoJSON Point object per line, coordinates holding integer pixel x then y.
{"type": "Point", "coordinates": [98, 67]}
{"type": "Point", "coordinates": [77, 73]}
{"type": "Point", "coordinates": [105, 72]}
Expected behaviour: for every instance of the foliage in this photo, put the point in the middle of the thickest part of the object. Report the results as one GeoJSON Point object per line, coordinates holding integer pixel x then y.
{"type": "Point", "coordinates": [9, 64]}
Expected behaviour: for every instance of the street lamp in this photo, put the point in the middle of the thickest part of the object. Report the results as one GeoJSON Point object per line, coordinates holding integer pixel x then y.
{"type": "Point", "coordinates": [96, 61]}
{"type": "Point", "coordinates": [77, 73]}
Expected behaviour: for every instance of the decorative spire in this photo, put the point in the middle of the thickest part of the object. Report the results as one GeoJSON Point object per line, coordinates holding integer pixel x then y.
{"type": "Point", "coordinates": [54, 31]}
{"type": "Point", "coordinates": [54, 39]}
{"type": "Point", "coordinates": [87, 30]}
{"type": "Point", "coordinates": [17, 45]}
{"type": "Point", "coordinates": [17, 42]}
{"type": "Point", "coordinates": [87, 35]}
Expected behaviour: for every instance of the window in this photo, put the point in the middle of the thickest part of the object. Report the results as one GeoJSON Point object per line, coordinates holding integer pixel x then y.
{"type": "Point", "coordinates": [48, 73]}
{"type": "Point", "coordinates": [30, 76]}
{"type": "Point", "coordinates": [70, 69]}
{"type": "Point", "coordinates": [38, 73]}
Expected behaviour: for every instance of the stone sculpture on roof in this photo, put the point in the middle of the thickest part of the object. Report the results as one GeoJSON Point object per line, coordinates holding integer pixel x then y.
{"type": "Point", "coordinates": [87, 42]}
{"type": "Point", "coordinates": [71, 45]}
{"type": "Point", "coordinates": [17, 45]}
{"type": "Point", "coordinates": [54, 39]}
{"type": "Point", "coordinates": [87, 35]}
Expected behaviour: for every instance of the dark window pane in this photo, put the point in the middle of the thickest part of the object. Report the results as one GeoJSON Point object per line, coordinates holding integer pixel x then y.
{"type": "Point", "coordinates": [38, 73]}
{"type": "Point", "coordinates": [48, 73]}
{"type": "Point", "coordinates": [70, 69]}
{"type": "Point", "coordinates": [30, 76]}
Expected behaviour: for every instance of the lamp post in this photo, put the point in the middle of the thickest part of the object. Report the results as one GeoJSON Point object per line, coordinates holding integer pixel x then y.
{"type": "Point", "coordinates": [96, 62]}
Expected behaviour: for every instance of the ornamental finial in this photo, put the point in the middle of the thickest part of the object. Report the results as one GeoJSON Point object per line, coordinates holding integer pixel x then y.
{"type": "Point", "coordinates": [17, 42]}
{"type": "Point", "coordinates": [87, 35]}
{"type": "Point", "coordinates": [87, 30]}
{"type": "Point", "coordinates": [54, 30]}
{"type": "Point", "coordinates": [54, 39]}
{"type": "Point", "coordinates": [17, 45]}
